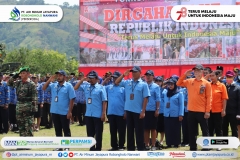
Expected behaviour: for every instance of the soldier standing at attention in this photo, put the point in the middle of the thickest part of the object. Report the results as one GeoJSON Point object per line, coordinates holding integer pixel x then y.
{"type": "Point", "coordinates": [26, 101]}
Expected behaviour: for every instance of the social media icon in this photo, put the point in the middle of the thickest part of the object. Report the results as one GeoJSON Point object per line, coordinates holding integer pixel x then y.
{"type": "Point", "coordinates": [60, 154]}
{"type": "Point", "coordinates": [70, 154]}
{"type": "Point", "coordinates": [65, 154]}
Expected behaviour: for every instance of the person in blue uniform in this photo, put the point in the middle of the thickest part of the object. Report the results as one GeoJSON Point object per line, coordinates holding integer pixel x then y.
{"type": "Point", "coordinates": [115, 112]}
{"type": "Point", "coordinates": [152, 111]}
{"type": "Point", "coordinates": [4, 103]}
{"type": "Point", "coordinates": [40, 102]}
{"type": "Point", "coordinates": [96, 101]}
{"type": "Point", "coordinates": [173, 113]}
{"type": "Point", "coordinates": [73, 81]}
{"type": "Point", "coordinates": [160, 124]}
{"type": "Point", "coordinates": [185, 141]}
{"type": "Point", "coordinates": [46, 115]}
{"type": "Point", "coordinates": [12, 108]}
{"type": "Point", "coordinates": [237, 79]}
{"type": "Point", "coordinates": [81, 102]}
{"type": "Point", "coordinates": [62, 101]}
{"type": "Point", "coordinates": [136, 99]}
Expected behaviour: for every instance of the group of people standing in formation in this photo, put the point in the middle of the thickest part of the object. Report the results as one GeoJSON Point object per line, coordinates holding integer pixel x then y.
{"type": "Point", "coordinates": [136, 108]}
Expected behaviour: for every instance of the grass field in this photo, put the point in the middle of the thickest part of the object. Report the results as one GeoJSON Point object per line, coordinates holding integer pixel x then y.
{"type": "Point", "coordinates": [80, 131]}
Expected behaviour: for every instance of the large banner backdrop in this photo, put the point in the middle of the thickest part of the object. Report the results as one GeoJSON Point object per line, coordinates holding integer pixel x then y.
{"type": "Point", "coordinates": [116, 33]}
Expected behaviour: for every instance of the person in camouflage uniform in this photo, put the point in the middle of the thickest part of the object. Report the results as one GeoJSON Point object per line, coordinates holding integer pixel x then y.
{"type": "Point", "coordinates": [26, 101]}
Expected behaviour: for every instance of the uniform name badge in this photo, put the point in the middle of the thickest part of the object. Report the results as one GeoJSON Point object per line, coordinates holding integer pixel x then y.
{"type": "Point", "coordinates": [132, 96]}
{"type": "Point", "coordinates": [89, 100]}
{"type": "Point", "coordinates": [56, 99]}
{"type": "Point", "coordinates": [168, 105]}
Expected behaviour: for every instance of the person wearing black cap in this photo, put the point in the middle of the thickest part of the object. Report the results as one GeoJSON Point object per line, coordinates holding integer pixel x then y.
{"type": "Point", "coordinates": [63, 96]}
{"type": "Point", "coordinates": [115, 112]}
{"type": "Point", "coordinates": [12, 108]}
{"type": "Point", "coordinates": [4, 102]}
{"type": "Point", "coordinates": [160, 124]}
{"type": "Point", "coordinates": [136, 93]}
{"type": "Point", "coordinates": [96, 101]}
{"type": "Point", "coordinates": [46, 115]}
{"type": "Point", "coordinates": [73, 81]}
{"type": "Point", "coordinates": [173, 113]}
{"type": "Point", "coordinates": [237, 78]}
{"type": "Point", "coordinates": [107, 79]}
{"type": "Point", "coordinates": [152, 111]}
{"type": "Point", "coordinates": [26, 101]}
{"type": "Point", "coordinates": [81, 102]}
{"type": "Point", "coordinates": [199, 103]}
{"type": "Point", "coordinates": [220, 69]}
{"type": "Point", "coordinates": [38, 114]}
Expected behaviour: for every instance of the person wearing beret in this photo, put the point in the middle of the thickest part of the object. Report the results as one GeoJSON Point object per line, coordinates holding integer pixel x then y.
{"type": "Point", "coordinates": [173, 113]}
{"type": "Point", "coordinates": [26, 101]}
{"type": "Point", "coordinates": [232, 116]}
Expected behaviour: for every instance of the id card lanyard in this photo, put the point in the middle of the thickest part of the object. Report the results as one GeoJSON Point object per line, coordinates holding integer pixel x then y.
{"type": "Point", "coordinates": [90, 99]}
{"type": "Point", "coordinates": [133, 87]}
{"type": "Point", "coordinates": [58, 89]}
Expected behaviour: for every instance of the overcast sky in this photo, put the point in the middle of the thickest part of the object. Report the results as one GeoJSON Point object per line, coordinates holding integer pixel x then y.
{"type": "Point", "coordinates": [60, 2]}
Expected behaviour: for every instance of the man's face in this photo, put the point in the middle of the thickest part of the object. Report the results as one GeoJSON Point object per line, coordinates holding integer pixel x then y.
{"type": "Point", "coordinates": [34, 79]}
{"type": "Point", "coordinates": [24, 74]}
{"type": "Point", "coordinates": [220, 72]}
{"type": "Point", "coordinates": [205, 72]}
{"type": "Point", "coordinates": [149, 77]}
{"type": "Point", "coordinates": [136, 74]}
{"type": "Point", "coordinates": [93, 81]}
{"type": "Point", "coordinates": [159, 82]}
{"type": "Point", "coordinates": [1, 78]}
{"type": "Point", "coordinates": [60, 78]}
{"type": "Point", "coordinates": [80, 77]}
{"type": "Point", "coordinates": [198, 73]}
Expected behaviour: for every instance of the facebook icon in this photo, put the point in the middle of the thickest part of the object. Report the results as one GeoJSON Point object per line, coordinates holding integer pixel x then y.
{"type": "Point", "coordinates": [60, 154]}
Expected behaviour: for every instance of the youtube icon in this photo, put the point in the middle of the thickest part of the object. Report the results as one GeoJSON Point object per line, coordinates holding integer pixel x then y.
{"type": "Point", "coordinates": [70, 154]}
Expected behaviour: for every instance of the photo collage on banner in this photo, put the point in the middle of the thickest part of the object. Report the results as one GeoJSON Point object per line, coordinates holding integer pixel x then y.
{"type": "Point", "coordinates": [115, 33]}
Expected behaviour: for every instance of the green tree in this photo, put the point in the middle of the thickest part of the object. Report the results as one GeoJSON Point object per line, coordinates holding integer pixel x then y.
{"type": "Point", "coordinates": [42, 61]}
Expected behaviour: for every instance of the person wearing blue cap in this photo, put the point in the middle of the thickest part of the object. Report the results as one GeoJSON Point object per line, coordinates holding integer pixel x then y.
{"type": "Point", "coordinates": [136, 99]}
{"type": "Point", "coordinates": [152, 111]}
{"type": "Point", "coordinates": [173, 113]}
{"type": "Point", "coordinates": [160, 124]}
{"type": "Point", "coordinates": [115, 112]}
{"type": "Point", "coordinates": [81, 102]}
{"type": "Point", "coordinates": [63, 96]}
{"type": "Point", "coordinates": [96, 102]}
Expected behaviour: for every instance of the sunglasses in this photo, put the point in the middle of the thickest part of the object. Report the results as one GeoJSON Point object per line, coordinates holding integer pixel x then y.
{"type": "Point", "coordinates": [170, 84]}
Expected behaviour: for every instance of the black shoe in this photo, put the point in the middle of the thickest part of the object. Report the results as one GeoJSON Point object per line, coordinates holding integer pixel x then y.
{"type": "Point", "coordinates": [16, 131]}
{"type": "Point", "coordinates": [169, 146]}
{"type": "Point", "coordinates": [147, 148]}
{"type": "Point", "coordinates": [113, 149]}
{"type": "Point", "coordinates": [66, 149]}
{"type": "Point", "coordinates": [175, 146]}
{"type": "Point", "coordinates": [58, 149]}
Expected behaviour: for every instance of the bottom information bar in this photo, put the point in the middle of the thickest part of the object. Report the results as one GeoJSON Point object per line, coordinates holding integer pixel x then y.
{"type": "Point", "coordinates": [119, 154]}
